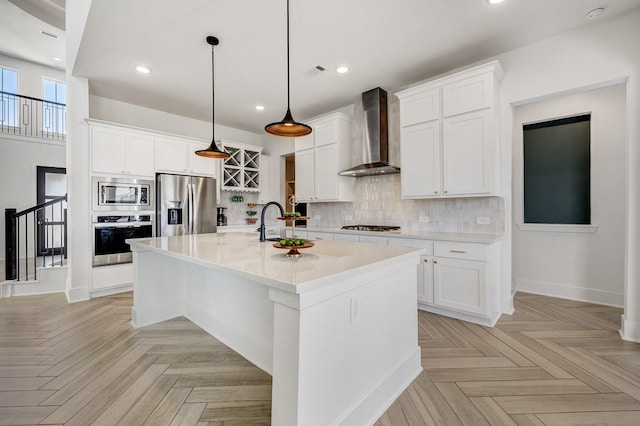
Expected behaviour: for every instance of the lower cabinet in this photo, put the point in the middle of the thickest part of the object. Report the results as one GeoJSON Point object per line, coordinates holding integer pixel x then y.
{"type": "Point", "coordinates": [460, 285]}
{"type": "Point", "coordinates": [458, 279]}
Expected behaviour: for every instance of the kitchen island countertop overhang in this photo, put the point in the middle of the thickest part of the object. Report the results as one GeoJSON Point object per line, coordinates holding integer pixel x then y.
{"type": "Point", "coordinates": [336, 327]}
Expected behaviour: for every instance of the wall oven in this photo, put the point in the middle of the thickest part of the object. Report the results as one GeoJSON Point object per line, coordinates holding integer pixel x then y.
{"type": "Point", "coordinates": [111, 231]}
{"type": "Point", "coordinates": [111, 193]}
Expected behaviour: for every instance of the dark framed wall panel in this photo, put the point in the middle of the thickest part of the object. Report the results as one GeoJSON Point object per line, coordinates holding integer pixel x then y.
{"type": "Point", "coordinates": [557, 166]}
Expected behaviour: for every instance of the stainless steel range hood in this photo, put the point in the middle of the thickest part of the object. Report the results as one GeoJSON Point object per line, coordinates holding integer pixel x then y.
{"type": "Point", "coordinates": [375, 155]}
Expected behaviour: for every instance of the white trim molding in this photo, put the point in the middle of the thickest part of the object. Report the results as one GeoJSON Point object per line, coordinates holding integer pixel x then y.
{"type": "Point", "coordinates": [564, 291]}
{"type": "Point", "coordinates": [629, 330]}
{"type": "Point", "coordinates": [549, 227]}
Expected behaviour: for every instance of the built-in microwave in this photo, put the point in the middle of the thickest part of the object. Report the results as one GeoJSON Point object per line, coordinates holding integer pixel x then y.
{"type": "Point", "coordinates": [122, 193]}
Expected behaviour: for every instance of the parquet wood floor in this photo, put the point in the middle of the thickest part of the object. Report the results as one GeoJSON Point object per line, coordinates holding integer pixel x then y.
{"type": "Point", "coordinates": [554, 362]}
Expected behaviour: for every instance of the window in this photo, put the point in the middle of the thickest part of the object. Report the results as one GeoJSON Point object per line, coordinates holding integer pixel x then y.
{"type": "Point", "coordinates": [53, 107]}
{"type": "Point", "coordinates": [557, 163]}
{"type": "Point", "coordinates": [9, 102]}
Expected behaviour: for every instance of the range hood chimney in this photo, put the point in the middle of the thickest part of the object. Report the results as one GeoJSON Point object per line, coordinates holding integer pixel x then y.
{"type": "Point", "coordinates": [375, 155]}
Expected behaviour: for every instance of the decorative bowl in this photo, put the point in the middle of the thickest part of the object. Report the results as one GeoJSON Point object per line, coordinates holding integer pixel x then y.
{"type": "Point", "coordinates": [251, 221]}
{"type": "Point", "coordinates": [251, 212]}
{"type": "Point", "coordinates": [251, 205]}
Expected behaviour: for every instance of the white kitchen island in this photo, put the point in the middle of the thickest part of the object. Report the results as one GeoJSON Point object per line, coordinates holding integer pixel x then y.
{"type": "Point", "coordinates": [336, 328]}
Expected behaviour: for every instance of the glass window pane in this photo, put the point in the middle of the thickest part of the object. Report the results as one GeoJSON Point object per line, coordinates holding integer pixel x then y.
{"type": "Point", "coordinates": [61, 93]}
{"type": "Point", "coordinates": [49, 91]}
{"type": "Point", "coordinates": [9, 81]}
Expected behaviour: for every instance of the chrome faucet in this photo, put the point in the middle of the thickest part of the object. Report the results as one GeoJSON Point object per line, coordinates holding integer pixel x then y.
{"type": "Point", "coordinates": [264, 209]}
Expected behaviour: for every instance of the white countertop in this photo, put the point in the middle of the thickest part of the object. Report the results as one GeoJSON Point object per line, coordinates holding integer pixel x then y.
{"type": "Point", "coordinates": [242, 254]}
{"type": "Point", "coordinates": [435, 236]}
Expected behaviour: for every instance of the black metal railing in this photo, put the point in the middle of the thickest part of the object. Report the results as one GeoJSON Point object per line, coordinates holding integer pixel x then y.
{"type": "Point", "coordinates": [35, 237]}
{"type": "Point", "coordinates": [27, 116]}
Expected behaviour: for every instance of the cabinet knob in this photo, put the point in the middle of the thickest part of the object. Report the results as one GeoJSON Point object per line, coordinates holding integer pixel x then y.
{"type": "Point", "coordinates": [435, 192]}
{"type": "Point", "coordinates": [445, 191]}
{"type": "Point", "coordinates": [426, 261]}
{"type": "Point", "coordinates": [435, 261]}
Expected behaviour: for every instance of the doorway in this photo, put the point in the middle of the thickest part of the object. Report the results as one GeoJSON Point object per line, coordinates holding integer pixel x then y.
{"type": "Point", "coordinates": [51, 183]}
{"type": "Point", "coordinates": [290, 189]}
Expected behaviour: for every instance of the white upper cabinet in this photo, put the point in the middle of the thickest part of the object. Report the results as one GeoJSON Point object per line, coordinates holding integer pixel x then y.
{"type": "Point", "coordinates": [448, 135]}
{"type": "Point", "coordinates": [176, 155]}
{"type": "Point", "coordinates": [319, 158]}
{"type": "Point", "coordinates": [421, 151]}
{"type": "Point", "coordinates": [121, 151]}
{"type": "Point", "coordinates": [269, 179]}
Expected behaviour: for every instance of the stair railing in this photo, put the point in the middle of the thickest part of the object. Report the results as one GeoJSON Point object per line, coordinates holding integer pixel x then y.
{"type": "Point", "coordinates": [32, 117]}
{"type": "Point", "coordinates": [32, 237]}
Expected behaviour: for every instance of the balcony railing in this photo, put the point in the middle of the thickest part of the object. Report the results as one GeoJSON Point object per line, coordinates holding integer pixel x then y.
{"type": "Point", "coordinates": [32, 117]}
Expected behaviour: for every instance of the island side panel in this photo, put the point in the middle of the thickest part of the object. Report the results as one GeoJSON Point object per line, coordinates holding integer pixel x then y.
{"type": "Point", "coordinates": [345, 359]}
{"type": "Point", "coordinates": [235, 310]}
{"type": "Point", "coordinates": [159, 288]}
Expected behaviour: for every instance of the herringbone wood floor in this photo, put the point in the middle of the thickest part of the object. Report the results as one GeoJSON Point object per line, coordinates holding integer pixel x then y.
{"type": "Point", "coordinates": [554, 362]}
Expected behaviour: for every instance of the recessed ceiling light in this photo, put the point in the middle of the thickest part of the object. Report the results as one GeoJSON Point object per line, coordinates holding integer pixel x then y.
{"type": "Point", "coordinates": [57, 59]}
{"type": "Point", "coordinates": [495, 1]}
{"type": "Point", "coordinates": [594, 13]}
{"type": "Point", "coordinates": [143, 70]}
{"type": "Point", "coordinates": [342, 69]}
{"type": "Point", "coordinates": [259, 107]}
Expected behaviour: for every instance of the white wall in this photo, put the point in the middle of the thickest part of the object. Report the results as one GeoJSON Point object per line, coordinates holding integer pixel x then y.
{"type": "Point", "coordinates": [30, 75]}
{"type": "Point", "coordinates": [597, 55]}
{"type": "Point", "coordinates": [134, 115]}
{"type": "Point", "coordinates": [19, 158]}
{"type": "Point", "coordinates": [582, 266]}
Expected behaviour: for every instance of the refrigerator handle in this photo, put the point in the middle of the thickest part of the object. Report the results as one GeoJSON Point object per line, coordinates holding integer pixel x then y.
{"type": "Point", "coordinates": [190, 202]}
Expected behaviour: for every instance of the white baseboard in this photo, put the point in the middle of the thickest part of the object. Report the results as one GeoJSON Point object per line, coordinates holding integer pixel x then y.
{"type": "Point", "coordinates": [563, 291]}
{"type": "Point", "coordinates": [369, 409]}
{"type": "Point", "coordinates": [110, 291]}
{"type": "Point", "coordinates": [629, 330]}
{"type": "Point", "coordinates": [77, 294]}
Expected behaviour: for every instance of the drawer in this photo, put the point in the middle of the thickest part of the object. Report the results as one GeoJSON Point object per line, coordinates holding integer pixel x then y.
{"type": "Point", "coordinates": [466, 251]}
{"type": "Point", "coordinates": [312, 235]}
{"type": "Point", "coordinates": [413, 242]}
{"type": "Point", "coordinates": [371, 239]}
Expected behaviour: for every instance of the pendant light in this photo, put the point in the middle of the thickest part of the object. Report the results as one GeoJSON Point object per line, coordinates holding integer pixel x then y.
{"type": "Point", "coordinates": [288, 127]}
{"type": "Point", "coordinates": [212, 151]}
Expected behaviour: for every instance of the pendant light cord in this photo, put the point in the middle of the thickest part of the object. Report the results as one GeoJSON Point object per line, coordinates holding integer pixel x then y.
{"type": "Point", "coordinates": [288, 66]}
{"type": "Point", "coordinates": [213, 97]}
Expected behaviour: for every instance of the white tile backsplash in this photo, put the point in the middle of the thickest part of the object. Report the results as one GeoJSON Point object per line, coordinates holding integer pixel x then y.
{"type": "Point", "coordinates": [378, 202]}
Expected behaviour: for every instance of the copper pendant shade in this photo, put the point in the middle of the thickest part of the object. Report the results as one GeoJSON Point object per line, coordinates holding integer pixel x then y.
{"type": "Point", "coordinates": [212, 151]}
{"type": "Point", "coordinates": [288, 127]}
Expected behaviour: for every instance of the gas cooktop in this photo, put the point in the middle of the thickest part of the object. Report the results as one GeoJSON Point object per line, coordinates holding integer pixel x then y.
{"type": "Point", "coordinates": [374, 228]}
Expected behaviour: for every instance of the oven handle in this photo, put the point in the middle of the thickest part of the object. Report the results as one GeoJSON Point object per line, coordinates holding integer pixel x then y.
{"type": "Point", "coordinates": [121, 224]}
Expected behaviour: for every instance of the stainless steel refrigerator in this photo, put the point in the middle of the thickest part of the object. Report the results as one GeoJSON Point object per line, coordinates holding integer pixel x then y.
{"type": "Point", "coordinates": [185, 205]}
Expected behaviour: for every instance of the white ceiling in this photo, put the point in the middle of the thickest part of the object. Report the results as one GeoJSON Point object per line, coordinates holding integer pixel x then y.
{"type": "Point", "coordinates": [385, 43]}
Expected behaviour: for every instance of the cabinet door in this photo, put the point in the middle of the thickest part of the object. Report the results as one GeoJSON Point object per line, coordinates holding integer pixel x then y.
{"type": "Point", "coordinates": [326, 133]}
{"type": "Point", "coordinates": [202, 165]}
{"type": "Point", "coordinates": [304, 142]}
{"type": "Point", "coordinates": [326, 172]}
{"type": "Point", "coordinates": [425, 279]}
{"type": "Point", "coordinates": [466, 146]}
{"type": "Point", "coordinates": [305, 175]}
{"type": "Point", "coordinates": [460, 285]}
{"type": "Point", "coordinates": [470, 94]}
{"type": "Point", "coordinates": [140, 154]}
{"type": "Point", "coordinates": [269, 179]}
{"type": "Point", "coordinates": [420, 108]}
{"type": "Point", "coordinates": [420, 159]}
{"type": "Point", "coordinates": [171, 155]}
{"type": "Point", "coordinates": [108, 150]}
